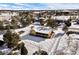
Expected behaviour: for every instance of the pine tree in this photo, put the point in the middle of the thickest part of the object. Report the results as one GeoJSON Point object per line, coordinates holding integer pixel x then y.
{"type": "Point", "coordinates": [68, 23]}
{"type": "Point", "coordinates": [11, 38]}
{"type": "Point", "coordinates": [1, 25]}
{"type": "Point", "coordinates": [14, 23]}
{"type": "Point", "coordinates": [52, 23]}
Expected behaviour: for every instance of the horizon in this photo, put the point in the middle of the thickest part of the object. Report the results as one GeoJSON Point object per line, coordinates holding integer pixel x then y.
{"type": "Point", "coordinates": [38, 6]}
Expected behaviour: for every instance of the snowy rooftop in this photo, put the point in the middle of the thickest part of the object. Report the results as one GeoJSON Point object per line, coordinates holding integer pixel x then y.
{"type": "Point", "coordinates": [61, 17]}
{"type": "Point", "coordinates": [42, 29]}
{"type": "Point", "coordinates": [74, 27]}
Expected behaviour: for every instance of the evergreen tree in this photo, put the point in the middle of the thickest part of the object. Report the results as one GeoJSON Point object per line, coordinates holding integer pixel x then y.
{"type": "Point", "coordinates": [11, 38]}
{"type": "Point", "coordinates": [65, 29]}
{"type": "Point", "coordinates": [52, 23]}
{"type": "Point", "coordinates": [1, 25]}
{"type": "Point", "coordinates": [68, 23]}
{"type": "Point", "coordinates": [42, 22]}
{"type": "Point", "coordinates": [14, 23]}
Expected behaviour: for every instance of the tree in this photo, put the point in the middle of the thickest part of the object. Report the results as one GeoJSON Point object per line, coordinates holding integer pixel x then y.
{"type": "Point", "coordinates": [11, 38]}
{"type": "Point", "coordinates": [13, 41]}
{"type": "Point", "coordinates": [14, 23]}
{"type": "Point", "coordinates": [1, 25]}
{"type": "Point", "coordinates": [42, 21]}
{"type": "Point", "coordinates": [29, 19]}
{"type": "Point", "coordinates": [52, 23]}
{"type": "Point", "coordinates": [1, 43]}
{"type": "Point", "coordinates": [65, 29]}
{"type": "Point", "coordinates": [68, 23]}
{"type": "Point", "coordinates": [22, 49]}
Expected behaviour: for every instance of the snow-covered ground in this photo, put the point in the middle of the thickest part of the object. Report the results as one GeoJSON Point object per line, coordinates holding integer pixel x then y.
{"type": "Point", "coordinates": [58, 44]}
{"type": "Point", "coordinates": [45, 45]}
{"type": "Point", "coordinates": [33, 43]}
{"type": "Point", "coordinates": [32, 38]}
{"type": "Point", "coordinates": [68, 45]}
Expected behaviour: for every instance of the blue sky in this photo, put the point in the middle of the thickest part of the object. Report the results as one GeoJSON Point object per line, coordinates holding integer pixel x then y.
{"type": "Point", "coordinates": [38, 6]}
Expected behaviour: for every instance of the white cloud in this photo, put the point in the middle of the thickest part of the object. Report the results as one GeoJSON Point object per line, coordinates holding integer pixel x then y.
{"type": "Point", "coordinates": [39, 6]}
{"type": "Point", "coordinates": [14, 6]}
{"type": "Point", "coordinates": [62, 6]}
{"type": "Point", "coordinates": [4, 5]}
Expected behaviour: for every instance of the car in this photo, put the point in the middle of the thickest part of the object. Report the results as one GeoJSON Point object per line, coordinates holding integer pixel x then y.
{"type": "Point", "coordinates": [20, 32]}
{"type": "Point", "coordinates": [77, 21]}
{"type": "Point", "coordinates": [42, 31]}
{"type": "Point", "coordinates": [1, 43]}
{"type": "Point", "coordinates": [36, 23]}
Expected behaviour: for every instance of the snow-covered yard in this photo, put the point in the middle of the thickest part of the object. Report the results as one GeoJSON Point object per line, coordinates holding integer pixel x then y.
{"type": "Point", "coordinates": [58, 44]}
{"type": "Point", "coordinates": [43, 44]}
{"type": "Point", "coordinates": [68, 45]}
{"type": "Point", "coordinates": [33, 43]}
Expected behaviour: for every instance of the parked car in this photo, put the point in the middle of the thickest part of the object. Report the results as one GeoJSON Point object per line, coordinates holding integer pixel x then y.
{"type": "Point", "coordinates": [21, 32]}
{"type": "Point", "coordinates": [77, 21]}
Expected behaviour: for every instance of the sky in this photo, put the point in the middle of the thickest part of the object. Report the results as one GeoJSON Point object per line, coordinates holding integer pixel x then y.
{"type": "Point", "coordinates": [38, 6]}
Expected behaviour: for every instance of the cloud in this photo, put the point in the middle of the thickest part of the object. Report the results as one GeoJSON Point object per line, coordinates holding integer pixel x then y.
{"type": "Point", "coordinates": [38, 6]}
{"type": "Point", "coordinates": [13, 6]}
{"type": "Point", "coordinates": [63, 6]}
